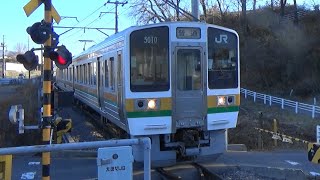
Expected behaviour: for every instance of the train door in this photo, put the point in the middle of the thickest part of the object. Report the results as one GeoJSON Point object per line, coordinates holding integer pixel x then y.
{"type": "Point", "coordinates": [120, 87]}
{"type": "Point", "coordinates": [188, 87]}
{"type": "Point", "coordinates": [100, 86]}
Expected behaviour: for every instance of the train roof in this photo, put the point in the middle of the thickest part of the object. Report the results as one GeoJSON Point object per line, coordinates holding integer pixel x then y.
{"type": "Point", "coordinates": [118, 35]}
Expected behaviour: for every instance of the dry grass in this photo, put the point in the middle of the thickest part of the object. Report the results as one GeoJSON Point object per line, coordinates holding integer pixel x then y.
{"type": "Point", "coordinates": [300, 126]}
{"type": "Point", "coordinates": [27, 96]}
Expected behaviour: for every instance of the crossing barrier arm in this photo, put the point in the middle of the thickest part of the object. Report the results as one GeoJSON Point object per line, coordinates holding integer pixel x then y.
{"type": "Point", "coordinates": [144, 142]}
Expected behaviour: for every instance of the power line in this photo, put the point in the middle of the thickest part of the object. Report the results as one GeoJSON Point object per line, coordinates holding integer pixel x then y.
{"type": "Point", "coordinates": [116, 3]}
{"type": "Point", "coordinates": [97, 18]}
{"type": "Point", "coordinates": [84, 20]}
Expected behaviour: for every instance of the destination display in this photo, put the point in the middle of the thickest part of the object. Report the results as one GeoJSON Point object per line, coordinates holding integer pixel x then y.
{"type": "Point", "coordinates": [188, 33]}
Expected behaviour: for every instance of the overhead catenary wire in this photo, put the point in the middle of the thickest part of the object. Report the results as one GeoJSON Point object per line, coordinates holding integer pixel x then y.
{"type": "Point", "coordinates": [101, 15]}
{"type": "Point", "coordinates": [82, 20]}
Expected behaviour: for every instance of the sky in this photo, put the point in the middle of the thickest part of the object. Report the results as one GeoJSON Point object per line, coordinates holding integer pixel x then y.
{"type": "Point", "coordinates": [14, 21]}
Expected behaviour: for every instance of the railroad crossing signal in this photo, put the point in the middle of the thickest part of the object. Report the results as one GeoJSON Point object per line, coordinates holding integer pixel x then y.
{"type": "Point", "coordinates": [40, 32]}
{"type": "Point", "coordinates": [32, 5]}
{"type": "Point", "coordinates": [62, 57]}
{"type": "Point", "coordinates": [28, 59]}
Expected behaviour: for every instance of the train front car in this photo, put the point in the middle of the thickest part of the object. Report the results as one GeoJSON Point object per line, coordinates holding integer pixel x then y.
{"type": "Point", "coordinates": [184, 90]}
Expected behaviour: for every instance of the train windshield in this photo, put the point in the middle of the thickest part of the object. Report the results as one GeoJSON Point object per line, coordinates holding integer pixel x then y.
{"type": "Point", "coordinates": [149, 60]}
{"type": "Point", "coordinates": [222, 59]}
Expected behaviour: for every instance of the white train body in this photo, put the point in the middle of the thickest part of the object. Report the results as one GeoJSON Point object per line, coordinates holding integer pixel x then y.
{"type": "Point", "coordinates": [175, 82]}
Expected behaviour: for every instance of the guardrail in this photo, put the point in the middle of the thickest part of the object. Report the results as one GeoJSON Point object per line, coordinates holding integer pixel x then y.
{"type": "Point", "coordinates": [296, 106]}
{"type": "Point", "coordinates": [318, 134]}
{"type": "Point", "coordinates": [141, 142]}
{"type": "Point", "coordinates": [14, 81]}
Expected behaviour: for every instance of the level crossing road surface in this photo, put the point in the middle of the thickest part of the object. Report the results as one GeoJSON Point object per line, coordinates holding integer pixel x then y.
{"type": "Point", "coordinates": [231, 165]}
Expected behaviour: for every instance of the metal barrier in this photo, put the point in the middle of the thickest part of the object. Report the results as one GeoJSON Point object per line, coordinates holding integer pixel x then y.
{"type": "Point", "coordinates": [297, 107]}
{"type": "Point", "coordinates": [318, 134]}
{"type": "Point", "coordinates": [144, 142]}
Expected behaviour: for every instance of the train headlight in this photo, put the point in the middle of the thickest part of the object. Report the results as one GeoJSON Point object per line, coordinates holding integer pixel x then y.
{"type": "Point", "coordinates": [147, 104]}
{"type": "Point", "coordinates": [152, 104]}
{"type": "Point", "coordinates": [221, 100]}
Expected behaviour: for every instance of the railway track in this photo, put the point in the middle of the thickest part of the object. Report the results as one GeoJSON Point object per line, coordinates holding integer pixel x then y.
{"type": "Point", "coordinates": [108, 130]}
{"type": "Point", "coordinates": [202, 173]}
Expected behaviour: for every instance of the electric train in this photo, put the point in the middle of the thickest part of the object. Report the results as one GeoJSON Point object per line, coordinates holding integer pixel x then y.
{"type": "Point", "coordinates": [175, 82]}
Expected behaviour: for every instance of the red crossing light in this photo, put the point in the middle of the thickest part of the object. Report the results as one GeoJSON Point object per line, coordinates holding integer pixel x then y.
{"type": "Point", "coordinates": [62, 57]}
{"type": "Point", "coordinates": [61, 60]}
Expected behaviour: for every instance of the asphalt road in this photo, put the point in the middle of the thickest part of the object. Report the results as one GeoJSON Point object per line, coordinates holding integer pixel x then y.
{"type": "Point", "coordinates": [231, 165]}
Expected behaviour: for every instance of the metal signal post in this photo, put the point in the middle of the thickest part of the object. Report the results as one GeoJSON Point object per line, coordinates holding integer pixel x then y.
{"type": "Point", "coordinates": [39, 32]}
{"type": "Point", "coordinates": [47, 77]}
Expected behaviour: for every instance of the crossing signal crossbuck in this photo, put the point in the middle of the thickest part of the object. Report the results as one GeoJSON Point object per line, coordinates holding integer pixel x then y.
{"type": "Point", "coordinates": [29, 60]}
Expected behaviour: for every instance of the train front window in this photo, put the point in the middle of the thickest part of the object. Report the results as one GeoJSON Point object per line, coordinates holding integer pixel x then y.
{"type": "Point", "coordinates": [149, 60]}
{"type": "Point", "coordinates": [222, 59]}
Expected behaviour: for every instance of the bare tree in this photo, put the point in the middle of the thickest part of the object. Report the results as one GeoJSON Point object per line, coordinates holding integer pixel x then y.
{"type": "Point", "coordinates": [296, 20]}
{"type": "Point", "coordinates": [223, 7]}
{"type": "Point", "coordinates": [282, 7]}
{"type": "Point", "coordinates": [20, 48]}
{"type": "Point", "coordinates": [243, 15]}
{"type": "Point", "coordinates": [152, 11]}
{"type": "Point", "coordinates": [254, 5]}
{"type": "Point", "coordinates": [204, 8]}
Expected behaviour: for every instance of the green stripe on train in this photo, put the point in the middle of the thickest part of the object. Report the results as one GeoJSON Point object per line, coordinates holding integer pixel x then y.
{"type": "Point", "coordinates": [169, 112]}
{"type": "Point", "coordinates": [223, 109]}
{"type": "Point", "coordinates": [149, 114]}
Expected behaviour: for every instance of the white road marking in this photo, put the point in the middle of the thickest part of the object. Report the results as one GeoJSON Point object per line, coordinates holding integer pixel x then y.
{"type": "Point", "coordinates": [315, 174]}
{"type": "Point", "coordinates": [292, 162]}
{"type": "Point", "coordinates": [33, 163]}
{"type": "Point", "coordinates": [28, 175]}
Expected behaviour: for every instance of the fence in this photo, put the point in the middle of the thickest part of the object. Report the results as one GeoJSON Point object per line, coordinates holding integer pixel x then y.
{"type": "Point", "coordinates": [318, 134]}
{"type": "Point", "coordinates": [13, 81]}
{"type": "Point", "coordinates": [297, 107]}
{"type": "Point", "coordinates": [141, 142]}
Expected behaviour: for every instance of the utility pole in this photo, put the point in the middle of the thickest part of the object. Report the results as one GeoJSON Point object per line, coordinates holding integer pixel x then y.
{"type": "Point", "coordinates": [116, 12]}
{"type": "Point", "coordinates": [85, 42]}
{"type": "Point", "coordinates": [3, 60]}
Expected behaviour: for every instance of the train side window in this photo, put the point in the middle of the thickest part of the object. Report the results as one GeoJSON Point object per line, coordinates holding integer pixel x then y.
{"type": "Point", "coordinates": [94, 73]}
{"type": "Point", "coordinates": [81, 74]}
{"type": "Point", "coordinates": [89, 74]}
{"type": "Point", "coordinates": [84, 74]}
{"type": "Point", "coordinates": [77, 73]}
{"type": "Point", "coordinates": [112, 76]}
{"type": "Point", "coordinates": [77, 70]}
{"type": "Point", "coordinates": [68, 78]}
{"type": "Point", "coordinates": [106, 74]}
